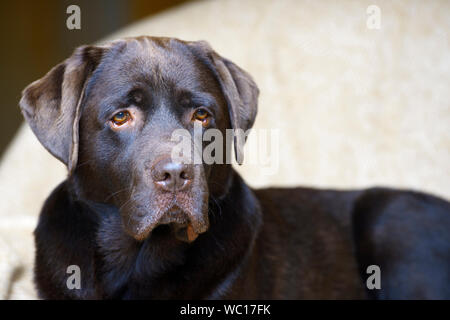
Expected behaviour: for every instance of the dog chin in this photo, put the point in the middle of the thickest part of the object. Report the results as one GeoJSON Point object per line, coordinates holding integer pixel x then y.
{"type": "Point", "coordinates": [171, 223]}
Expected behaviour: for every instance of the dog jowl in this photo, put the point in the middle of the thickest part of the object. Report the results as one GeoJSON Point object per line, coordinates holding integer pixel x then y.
{"type": "Point", "coordinates": [139, 224]}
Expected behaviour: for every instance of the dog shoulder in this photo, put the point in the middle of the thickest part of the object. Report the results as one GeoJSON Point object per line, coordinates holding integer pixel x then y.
{"type": "Point", "coordinates": [64, 246]}
{"type": "Point", "coordinates": [62, 216]}
{"type": "Point", "coordinates": [58, 200]}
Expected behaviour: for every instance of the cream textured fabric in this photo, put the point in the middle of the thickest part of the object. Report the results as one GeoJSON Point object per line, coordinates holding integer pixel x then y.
{"type": "Point", "coordinates": [354, 106]}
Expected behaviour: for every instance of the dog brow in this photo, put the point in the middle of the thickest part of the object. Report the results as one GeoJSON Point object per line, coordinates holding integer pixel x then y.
{"type": "Point", "coordinates": [203, 98]}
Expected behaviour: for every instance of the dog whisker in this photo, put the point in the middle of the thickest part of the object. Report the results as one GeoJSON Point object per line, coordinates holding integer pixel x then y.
{"type": "Point", "coordinates": [217, 204]}
{"type": "Point", "coordinates": [115, 193]}
{"type": "Point", "coordinates": [85, 163]}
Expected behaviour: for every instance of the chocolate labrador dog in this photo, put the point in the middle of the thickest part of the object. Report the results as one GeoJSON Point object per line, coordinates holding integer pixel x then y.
{"type": "Point", "coordinates": [140, 225]}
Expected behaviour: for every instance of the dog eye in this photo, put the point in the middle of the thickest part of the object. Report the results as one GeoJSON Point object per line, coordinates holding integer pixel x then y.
{"type": "Point", "coordinates": [201, 115]}
{"type": "Point", "coordinates": [121, 118]}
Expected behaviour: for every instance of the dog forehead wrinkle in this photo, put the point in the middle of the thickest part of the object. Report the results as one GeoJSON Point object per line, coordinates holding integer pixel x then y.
{"type": "Point", "coordinates": [150, 63]}
{"type": "Point", "coordinates": [151, 54]}
{"type": "Point", "coordinates": [169, 62]}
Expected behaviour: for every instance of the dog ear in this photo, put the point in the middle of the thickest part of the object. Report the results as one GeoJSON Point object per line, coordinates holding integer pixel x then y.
{"type": "Point", "coordinates": [240, 91]}
{"type": "Point", "coordinates": [51, 105]}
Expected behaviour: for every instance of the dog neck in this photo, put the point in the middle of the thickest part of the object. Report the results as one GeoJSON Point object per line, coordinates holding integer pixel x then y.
{"type": "Point", "coordinates": [212, 262]}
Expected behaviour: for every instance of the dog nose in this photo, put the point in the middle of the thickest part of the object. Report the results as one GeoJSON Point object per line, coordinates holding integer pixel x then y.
{"type": "Point", "coordinates": [172, 176]}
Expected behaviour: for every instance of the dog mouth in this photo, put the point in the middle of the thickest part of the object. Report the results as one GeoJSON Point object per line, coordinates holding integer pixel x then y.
{"type": "Point", "coordinates": [173, 222]}
{"type": "Point", "coordinates": [177, 222]}
{"type": "Point", "coordinates": [182, 232]}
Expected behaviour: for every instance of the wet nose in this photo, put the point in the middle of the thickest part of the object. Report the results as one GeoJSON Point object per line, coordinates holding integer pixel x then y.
{"type": "Point", "coordinates": [172, 176]}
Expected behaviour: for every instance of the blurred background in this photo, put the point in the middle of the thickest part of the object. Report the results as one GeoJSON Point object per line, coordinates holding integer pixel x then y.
{"type": "Point", "coordinates": [35, 38]}
{"type": "Point", "coordinates": [359, 91]}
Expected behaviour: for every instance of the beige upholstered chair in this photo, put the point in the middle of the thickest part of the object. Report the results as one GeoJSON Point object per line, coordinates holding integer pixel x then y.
{"type": "Point", "coordinates": [354, 106]}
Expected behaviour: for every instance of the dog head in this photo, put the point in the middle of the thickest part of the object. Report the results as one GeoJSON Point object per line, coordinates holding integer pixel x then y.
{"type": "Point", "coordinates": [109, 113]}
